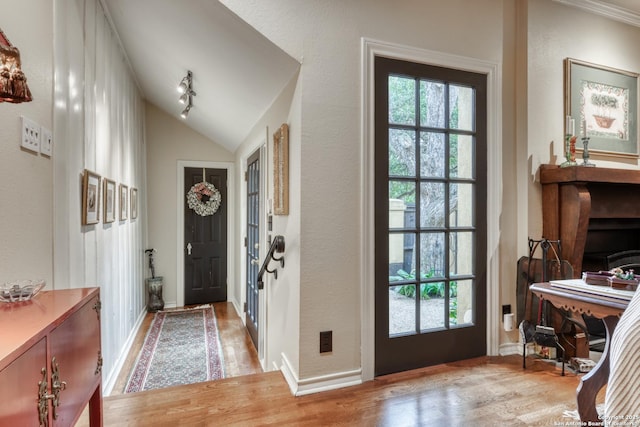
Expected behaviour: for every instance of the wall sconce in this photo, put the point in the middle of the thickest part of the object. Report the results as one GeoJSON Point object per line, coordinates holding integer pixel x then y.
{"type": "Point", "coordinates": [185, 88]}
{"type": "Point", "coordinates": [13, 82]}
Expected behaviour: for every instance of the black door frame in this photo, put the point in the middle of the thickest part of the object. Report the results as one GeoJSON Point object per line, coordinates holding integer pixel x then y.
{"type": "Point", "coordinates": [416, 350]}
{"type": "Point", "coordinates": [206, 260]}
{"type": "Point", "coordinates": [370, 49]}
{"type": "Point", "coordinates": [233, 294]}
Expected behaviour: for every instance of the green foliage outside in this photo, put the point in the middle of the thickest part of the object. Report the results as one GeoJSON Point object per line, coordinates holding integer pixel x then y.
{"type": "Point", "coordinates": [428, 290]}
{"type": "Point", "coordinates": [402, 111]}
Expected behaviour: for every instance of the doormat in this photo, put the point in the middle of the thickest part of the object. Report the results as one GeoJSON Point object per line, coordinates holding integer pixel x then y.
{"type": "Point", "coordinates": [181, 347]}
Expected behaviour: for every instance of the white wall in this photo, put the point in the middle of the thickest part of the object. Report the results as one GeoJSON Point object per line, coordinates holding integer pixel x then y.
{"type": "Point", "coordinates": [99, 125]}
{"type": "Point", "coordinates": [170, 140]}
{"type": "Point", "coordinates": [279, 300]}
{"type": "Point", "coordinates": [26, 188]}
{"type": "Point", "coordinates": [326, 38]}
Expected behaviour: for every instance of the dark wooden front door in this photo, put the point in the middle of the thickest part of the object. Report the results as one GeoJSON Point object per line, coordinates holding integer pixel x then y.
{"type": "Point", "coordinates": [205, 242]}
{"type": "Point", "coordinates": [430, 223]}
{"type": "Point", "coordinates": [253, 244]}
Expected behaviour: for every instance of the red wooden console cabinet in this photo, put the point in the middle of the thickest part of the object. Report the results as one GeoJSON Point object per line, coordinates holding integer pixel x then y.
{"type": "Point", "coordinates": [50, 359]}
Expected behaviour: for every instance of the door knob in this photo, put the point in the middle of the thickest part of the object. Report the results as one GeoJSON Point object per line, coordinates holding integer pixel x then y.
{"type": "Point", "coordinates": [189, 248]}
{"type": "Point", "coordinates": [255, 262]}
{"type": "Point", "coordinates": [257, 245]}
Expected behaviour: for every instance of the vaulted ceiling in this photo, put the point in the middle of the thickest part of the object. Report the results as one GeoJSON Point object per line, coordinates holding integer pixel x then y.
{"type": "Point", "coordinates": [237, 72]}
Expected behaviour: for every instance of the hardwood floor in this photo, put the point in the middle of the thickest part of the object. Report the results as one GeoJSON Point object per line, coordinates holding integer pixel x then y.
{"type": "Point", "coordinates": [486, 391]}
{"type": "Point", "coordinates": [240, 357]}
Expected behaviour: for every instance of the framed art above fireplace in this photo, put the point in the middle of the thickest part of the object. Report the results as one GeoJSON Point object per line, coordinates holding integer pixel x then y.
{"type": "Point", "coordinates": [603, 102]}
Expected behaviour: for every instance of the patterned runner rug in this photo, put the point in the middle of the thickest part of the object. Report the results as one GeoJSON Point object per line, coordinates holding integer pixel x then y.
{"type": "Point", "coordinates": [181, 347]}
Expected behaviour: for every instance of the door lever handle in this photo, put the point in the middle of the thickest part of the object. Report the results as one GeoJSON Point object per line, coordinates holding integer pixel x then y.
{"type": "Point", "coordinates": [189, 248]}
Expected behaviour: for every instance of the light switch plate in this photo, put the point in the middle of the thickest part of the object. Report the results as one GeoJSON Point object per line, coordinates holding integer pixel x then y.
{"type": "Point", "coordinates": [30, 135]}
{"type": "Point", "coordinates": [46, 142]}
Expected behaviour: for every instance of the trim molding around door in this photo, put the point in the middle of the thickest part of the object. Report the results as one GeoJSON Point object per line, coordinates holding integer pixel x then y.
{"type": "Point", "coordinates": [369, 50]}
{"type": "Point", "coordinates": [231, 240]}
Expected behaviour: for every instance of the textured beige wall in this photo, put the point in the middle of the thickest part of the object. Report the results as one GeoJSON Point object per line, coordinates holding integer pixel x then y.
{"type": "Point", "coordinates": [26, 184]}
{"type": "Point", "coordinates": [170, 140]}
{"type": "Point", "coordinates": [280, 295]}
{"type": "Point", "coordinates": [326, 38]}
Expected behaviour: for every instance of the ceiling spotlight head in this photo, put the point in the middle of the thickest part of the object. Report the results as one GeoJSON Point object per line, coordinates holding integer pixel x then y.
{"type": "Point", "coordinates": [183, 86]}
{"type": "Point", "coordinates": [185, 112]}
{"type": "Point", "coordinates": [183, 98]}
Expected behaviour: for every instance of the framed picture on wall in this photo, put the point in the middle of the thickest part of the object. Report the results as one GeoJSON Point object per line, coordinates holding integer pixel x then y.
{"type": "Point", "coordinates": [124, 195]}
{"type": "Point", "coordinates": [109, 201]}
{"type": "Point", "coordinates": [281, 171]}
{"type": "Point", "coordinates": [90, 197]}
{"type": "Point", "coordinates": [603, 103]}
{"type": "Point", "coordinates": [134, 203]}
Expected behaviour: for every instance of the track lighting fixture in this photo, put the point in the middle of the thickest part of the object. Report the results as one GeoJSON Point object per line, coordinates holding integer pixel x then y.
{"type": "Point", "coordinates": [185, 87]}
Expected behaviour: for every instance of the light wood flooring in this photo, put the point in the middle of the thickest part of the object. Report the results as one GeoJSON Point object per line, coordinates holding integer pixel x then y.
{"type": "Point", "coordinates": [240, 356]}
{"type": "Point", "coordinates": [486, 391]}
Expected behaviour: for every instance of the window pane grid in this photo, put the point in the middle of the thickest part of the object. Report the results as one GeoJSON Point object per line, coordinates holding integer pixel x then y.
{"type": "Point", "coordinates": [416, 140]}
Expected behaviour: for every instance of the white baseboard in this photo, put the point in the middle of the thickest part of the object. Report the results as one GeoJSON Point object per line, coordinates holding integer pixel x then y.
{"type": "Point", "coordinates": [507, 349]}
{"type": "Point", "coordinates": [110, 382]}
{"type": "Point", "coordinates": [318, 384]}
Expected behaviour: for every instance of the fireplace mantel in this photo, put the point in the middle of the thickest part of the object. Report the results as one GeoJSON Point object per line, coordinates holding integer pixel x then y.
{"type": "Point", "coordinates": [552, 174]}
{"type": "Point", "coordinates": [579, 202]}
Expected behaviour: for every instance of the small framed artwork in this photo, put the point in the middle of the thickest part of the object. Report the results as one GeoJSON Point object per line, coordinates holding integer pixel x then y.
{"type": "Point", "coordinates": [603, 103]}
{"type": "Point", "coordinates": [134, 203]}
{"type": "Point", "coordinates": [90, 198]}
{"type": "Point", "coordinates": [109, 201]}
{"type": "Point", "coordinates": [281, 171]}
{"type": "Point", "coordinates": [124, 195]}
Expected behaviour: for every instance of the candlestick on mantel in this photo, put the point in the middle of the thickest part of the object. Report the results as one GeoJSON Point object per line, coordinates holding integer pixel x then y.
{"type": "Point", "coordinates": [572, 127]}
{"type": "Point", "coordinates": [585, 152]}
{"type": "Point", "coordinates": [569, 143]}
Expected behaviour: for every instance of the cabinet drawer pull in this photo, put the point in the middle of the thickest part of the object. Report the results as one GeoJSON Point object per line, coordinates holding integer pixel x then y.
{"type": "Point", "coordinates": [97, 306]}
{"type": "Point", "coordinates": [43, 396]}
{"type": "Point", "coordinates": [56, 387]}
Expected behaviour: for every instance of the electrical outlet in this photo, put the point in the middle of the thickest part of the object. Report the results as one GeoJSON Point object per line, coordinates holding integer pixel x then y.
{"type": "Point", "coordinates": [30, 135]}
{"type": "Point", "coordinates": [46, 142]}
{"type": "Point", "coordinates": [326, 344]}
